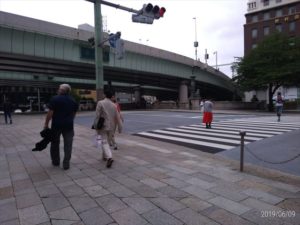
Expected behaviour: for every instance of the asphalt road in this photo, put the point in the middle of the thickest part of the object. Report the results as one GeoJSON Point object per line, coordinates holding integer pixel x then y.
{"type": "Point", "coordinates": [269, 144]}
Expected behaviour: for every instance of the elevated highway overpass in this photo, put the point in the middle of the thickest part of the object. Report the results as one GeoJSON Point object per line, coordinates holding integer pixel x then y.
{"type": "Point", "coordinates": [35, 54]}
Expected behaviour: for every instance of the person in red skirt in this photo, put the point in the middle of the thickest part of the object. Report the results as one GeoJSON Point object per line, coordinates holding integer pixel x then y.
{"type": "Point", "coordinates": [207, 113]}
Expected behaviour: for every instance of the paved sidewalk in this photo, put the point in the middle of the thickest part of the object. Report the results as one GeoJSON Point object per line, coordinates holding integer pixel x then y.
{"type": "Point", "coordinates": [149, 183]}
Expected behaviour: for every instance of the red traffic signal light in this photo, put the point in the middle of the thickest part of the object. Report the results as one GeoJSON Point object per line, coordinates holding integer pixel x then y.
{"type": "Point", "coordinates": [162, 11]}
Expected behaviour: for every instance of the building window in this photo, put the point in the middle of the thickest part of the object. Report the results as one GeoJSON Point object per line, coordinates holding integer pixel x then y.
{"type": "Point", "coordinates": [278, 27]}
{"type": "Point", "coordinates": [266, 31]}
{"type": "Point", "coordinates": [292, 10]}
{"type": "Point", "coordinates": [254, 18]}
{"type": "Point", "coordinates": [254, 46]}
{"type": "Point", "coordinates": [254, 33]}
{"type": "Point", "coordinates": [266, 15]}
{"type": "Point", "coordinates": [266, 2]}
{"type": "Point", "coordinates": [278, 13]}
{"type": "Point", "coordinates": [251, 5]}
{"type": "Point", "coordinates": [292, 26]}
{"type": "Point", "coordinates": [278, 1]}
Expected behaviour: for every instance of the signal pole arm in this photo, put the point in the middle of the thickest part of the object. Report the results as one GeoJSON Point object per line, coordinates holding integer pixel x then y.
{"type": "Point", "coordinates": [117, 6]}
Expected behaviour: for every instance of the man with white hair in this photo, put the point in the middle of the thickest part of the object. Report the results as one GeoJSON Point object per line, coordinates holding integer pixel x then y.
{"type": "Point", "coordinates": [62, 110]}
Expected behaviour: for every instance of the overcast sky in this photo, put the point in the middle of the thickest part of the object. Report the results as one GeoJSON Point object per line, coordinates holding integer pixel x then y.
{"type": "Point", "coordinates": [219, 23]}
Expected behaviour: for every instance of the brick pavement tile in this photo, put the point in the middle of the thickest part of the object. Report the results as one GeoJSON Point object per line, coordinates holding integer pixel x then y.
{"type": "Point", "coordinates": [43, 183]}
{"type": "Point", "coordinates": [140, 205]}
{"type": "Point", "coordinates": [55, 202]}
{"type": "Point", "coordinates": [40, 176]}
{"type": "Point", "coordinates": [127, 181]}
{"type": "Point", "coordinates": [85, 182]}
{"type": "Point", "coordinates": [175, 182]}
{"type": "Point", "coordinates": [190, 217]}
{"type": "Point", "coordinates": [158, 175]}
{"type": "Point", "coordinates": [172, 192]}
{"type": "Point", "coordinates": [195, 203]}
{"type": "Point", "coordinates": [61, 222]}
{"type": "Point", "coordinates": [4, 182]}
{"type": "Point", "coordinates": [259, 205]}
{"type": "Point", "coordinates": [27, 200]}
{"type": "Point", "coordinates": [201, 183]}
{"type": "Point", "coordinates": [110, 203]}
{"type": "Point", "coordinates": [226, 218]}
{"type": "Point", "coordinates": [58, 178]}
{"type": "Point", "coordinates": [179, 175]}
{"type": "Point", "coordinates": [205, 177]}
{"type": "Point", "coordinates": [96, 191]}
{"type": "Point", "coordinates": [252, 184]}
{"type": "Point", "coordinates": [47, 190]}
{"type": "Point", "coordinates": [6, 192]}
{"type": "Point", "coordinates": [71, 190]}
{"type": "Point", "coordinates": [228, 193]}
{"type": "Point", "coordinates": [91, 217]}
{"type": "Point", "coordinates": [128, 217]}
{"type": "Point", "coordinates": [8, 211]}
{"type": "Point", "coordinates": [23, 186]}
{"type": "Point", "coordinates": [121, 191]}
{"type": "Point", "coordinates": [157, 217]}
{"type": "Point", "coordinates": [105, 181]}
{"type": "Point", "coordinates": [167, 204]}
{"type": "Point", "coordinates": [291, 204]}
{"type": "Point", "coordinates": [153, 183]}
{"type": "Point", "coordinates": [146, 191]}
{"type": "Point", "coordinates": [19, 176]}
{"type": "Point", "coordinates": [229, 205]}
{"type": "Point", "coordinates": [11, 222]}
{"type": "Point", "coordinates": [67, 213]}
{"type": "Point", "coordinates": [33, 215]}
{"type": "Point", "coordinates": [283, 186]}
{"type": "Point", "coordinates": [82, 203]}
{"type": "Point", "coordinates": [198, 192]}
{"type": "Point", "coordinates": [180, 169]}
{"type": "Point", "coordinates": [264, 196]}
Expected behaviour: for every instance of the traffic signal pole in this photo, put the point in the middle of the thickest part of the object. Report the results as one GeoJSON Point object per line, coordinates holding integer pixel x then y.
{"type": "Point", "coordinates": [98, 50]}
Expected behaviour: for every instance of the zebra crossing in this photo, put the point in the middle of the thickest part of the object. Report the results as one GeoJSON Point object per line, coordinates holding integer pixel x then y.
{"type": "Point", "coordinates": [224, 135]}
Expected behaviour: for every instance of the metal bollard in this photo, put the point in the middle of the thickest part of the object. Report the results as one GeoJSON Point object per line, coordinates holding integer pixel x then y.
{"type": "Point", "coordinates": [242, 133]}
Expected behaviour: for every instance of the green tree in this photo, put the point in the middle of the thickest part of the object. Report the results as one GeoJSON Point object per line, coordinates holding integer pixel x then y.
{"type": "Point", "coordinates": [273, 63]}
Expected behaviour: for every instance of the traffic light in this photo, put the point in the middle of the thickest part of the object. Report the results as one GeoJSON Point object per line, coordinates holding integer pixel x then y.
{"type": "Point", "coordinates": [148, 13]}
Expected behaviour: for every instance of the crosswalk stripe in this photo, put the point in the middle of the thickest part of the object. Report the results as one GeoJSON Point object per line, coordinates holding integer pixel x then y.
{"type": "Point", "coordinates": [225, 131]}
{"type": "Point", "coordinates": [199, 137]}
{"type": "Point", "coordinates": [266, 122]}
{"type": "Point", "coordinates": [209, 144]}
{"type": "Point", "coordinates": [224, 135]}
{"type": "Point", "coordinates": [243, 129]}
{"type": "Point", "coordinates": [236, 136]}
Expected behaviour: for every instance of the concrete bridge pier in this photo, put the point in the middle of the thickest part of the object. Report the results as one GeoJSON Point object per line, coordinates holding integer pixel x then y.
{"type": "Point", "coordinates": [183, 95]}
{"type": "Point", "coordinates": [137, 94]}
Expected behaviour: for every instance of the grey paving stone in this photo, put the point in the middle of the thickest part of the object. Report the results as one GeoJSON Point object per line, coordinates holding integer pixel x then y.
{"type": "Point", "coordinates": [6, 192]}
{"type": "Point", "coordinates": [105, 181]}
{"type": "Point", "coordinates": [121, 191]}
{"type": "Point", "coordinates": [264, 196]}
{"type": "Point", "coordinates": [146, 191]}
{"type": "Point", "coordinates": [226, 218]}
{"type": "Point", "coordinates": [259, 205]}
{"type": "Point", "coordinates": [82, 203]}
{"type": "Point", "coordinates": [62, 222]}
{"type": "Point", "coordinates": [23, 187]}
{"type": "Point", "coordinates": [110, 203]}
{"type": "Point", "coordinates": [158, 217]}
{"type": "Point", "coordinates": [201, 183]}
{"type": "Point", "coordinates": [96, 191]}
{"type": "Point", "coordinates": [91, 217]}
{"type": "Point", "coordinates": [229, 205]}
{"type": "Point", "coordinates": [153, 183]}
{"type": "Point", "coordinates": [180, 169]}
{"type": "Point", "coordinates": [71, 190]}
{"type": "Point", "coordinates": [8, 211]}
{"type": "Point", "coordinates": [175, 182]}
{"type": "Point", "coordinates": [190, 217]}
{"type": "Point", "coordinates": [19, 176]}
{"type": "Point", "coordinates": [167, 204]}
{"type": "Point", "coordinates": [282, 186]}
{"type": "Point", "coordinates": [228, 193]}
{"type": "Point", "coordinates": [33, 215]}
{"type": "Point", "coordinates": [85, 182]}
{"type": "Point", "coordinates": [11, 222]}
{"type": "Point", "coordinates": [195, 203]}
{"type": "Point", "coordinates": [140, 205]}
{"type": "Point", "coordinates": [67, 213]}
{"type": "Point", "coordinates": [128, 217]}
{"type": "Point", "coordinates": [198, 192]}
{"type": "Point", "coordinates": [39, 176]}
{"type": "Point", "coordinates": [5, 182]}
{"type": "Point", "coordinates": [127, 181]}
{"type": "Point", "coordinates": [47, 190]}
{"type": "Point", "coordinates": [55, 202]}
{"type": "Point", "coordinates": [172, 192]}
{"type": "Point", "coordinates": [27, 200]}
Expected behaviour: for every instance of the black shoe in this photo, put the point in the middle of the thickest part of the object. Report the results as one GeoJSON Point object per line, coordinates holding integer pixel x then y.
{"type": "Point", "coordinates": [115, 148]}
{"type": "Point", "coordinates": [55, 163]}
{"type": "Point", "coordinates": [66, 166]}
{"type": "Point", "coordinates": [109, 162]}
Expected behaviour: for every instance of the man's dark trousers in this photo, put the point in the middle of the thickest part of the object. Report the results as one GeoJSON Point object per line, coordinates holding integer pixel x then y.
{"type": "Point", "coordinates": [68, 135]}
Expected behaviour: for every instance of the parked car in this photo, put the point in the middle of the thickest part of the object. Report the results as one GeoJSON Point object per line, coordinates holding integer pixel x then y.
{"type": "Point", "coordinates": [86, 105]}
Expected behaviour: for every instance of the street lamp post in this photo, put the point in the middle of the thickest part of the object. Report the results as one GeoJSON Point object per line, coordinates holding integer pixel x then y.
{"type": "Point", "coordinates": [196, 42]}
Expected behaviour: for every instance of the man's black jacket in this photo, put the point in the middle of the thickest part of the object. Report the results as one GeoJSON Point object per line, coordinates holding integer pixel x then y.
{"type": "Point", "coordinates": [47, 136]}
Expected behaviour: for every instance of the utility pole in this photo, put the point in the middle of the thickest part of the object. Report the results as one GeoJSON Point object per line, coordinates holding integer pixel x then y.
{"type": "Point", "coordinates": [216, 53]}
{"type": "Point", "coordinates": [196, 42]}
